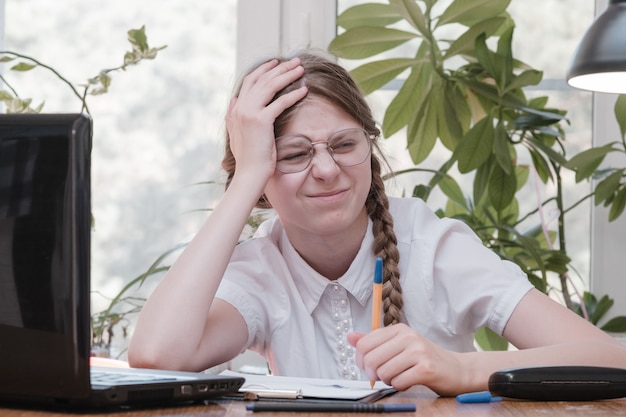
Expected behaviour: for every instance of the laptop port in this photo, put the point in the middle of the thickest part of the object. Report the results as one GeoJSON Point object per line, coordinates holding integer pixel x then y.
{"type": "Point", "coordinates": [203, 388]}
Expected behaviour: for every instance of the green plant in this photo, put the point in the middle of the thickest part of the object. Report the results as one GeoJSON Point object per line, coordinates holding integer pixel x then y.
{"type": "Point", "coordinates": [121, 306]}
{"type": "Point", "coordinates": [97, 85]}
{"type": "Point", "coordinates": [465, 89]}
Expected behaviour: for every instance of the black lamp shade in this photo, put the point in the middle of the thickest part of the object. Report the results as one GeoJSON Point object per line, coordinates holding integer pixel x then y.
{"type": "Point", "coordinates": [599, 63]}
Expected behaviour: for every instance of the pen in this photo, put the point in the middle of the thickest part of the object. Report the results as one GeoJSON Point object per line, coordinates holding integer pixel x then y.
{"type": "Point", "coordinates": [377, 297]}
{"type": "Point", "coordinates": [356, 407]}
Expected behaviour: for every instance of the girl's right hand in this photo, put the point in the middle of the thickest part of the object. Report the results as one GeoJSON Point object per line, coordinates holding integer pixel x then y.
{"type": "Point", "coordinates": [251, 115]}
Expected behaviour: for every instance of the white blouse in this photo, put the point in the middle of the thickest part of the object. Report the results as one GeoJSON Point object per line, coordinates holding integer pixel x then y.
{"type": "Point", "coordinates": [451, 285]}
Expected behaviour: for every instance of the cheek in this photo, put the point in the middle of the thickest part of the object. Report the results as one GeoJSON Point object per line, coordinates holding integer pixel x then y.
{"type": "Point", "coordinates": [282, 188]}
{"type": "Point", "coordinates": [365, 179]}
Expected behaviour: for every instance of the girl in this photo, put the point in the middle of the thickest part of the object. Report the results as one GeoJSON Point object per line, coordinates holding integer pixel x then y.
{"type": "Point", "coordinates": [302, 140]}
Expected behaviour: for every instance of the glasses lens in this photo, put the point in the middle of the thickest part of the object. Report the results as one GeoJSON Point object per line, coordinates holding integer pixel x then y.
{"type": "Point", "coordinates": [347, 147]}
{"type": "Point", "coordinates": [350, 146]}
{"type": "Point", "coordinates": [293, 153]}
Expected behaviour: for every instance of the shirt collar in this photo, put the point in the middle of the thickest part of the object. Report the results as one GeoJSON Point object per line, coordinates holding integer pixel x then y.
{"type": "Point", "coordinates": [311, 285]}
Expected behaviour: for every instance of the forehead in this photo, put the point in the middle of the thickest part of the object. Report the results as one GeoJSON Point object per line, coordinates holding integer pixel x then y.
{"type": "Point", "coordinates": [317, 118]}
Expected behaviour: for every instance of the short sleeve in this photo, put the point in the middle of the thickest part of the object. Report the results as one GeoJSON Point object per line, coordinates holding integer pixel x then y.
{"type": "Point", "coordinates": [452, 283]}
{"type": "Point", "coordinates": [472, 286]}
{"type": "Point", "coordinates": [250, 285]}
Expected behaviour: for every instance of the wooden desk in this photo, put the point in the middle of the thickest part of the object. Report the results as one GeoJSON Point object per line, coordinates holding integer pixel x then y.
{"type": "Point", "coordinates": [428, 404]}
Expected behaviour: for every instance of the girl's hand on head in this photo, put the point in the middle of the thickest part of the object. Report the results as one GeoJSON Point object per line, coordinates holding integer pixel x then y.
{"type": "Point", "coordinates": [401, 357]}
{"type": "Point", "coordinates": [251, 115]}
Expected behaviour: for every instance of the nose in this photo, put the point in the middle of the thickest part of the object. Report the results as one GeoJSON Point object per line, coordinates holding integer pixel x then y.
{"type": "Point", "coordinates": [322, 163]}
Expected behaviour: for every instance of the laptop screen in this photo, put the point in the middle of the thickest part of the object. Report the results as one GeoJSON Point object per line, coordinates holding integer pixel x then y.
{"type": "Point", "coordinates": [44, 253]}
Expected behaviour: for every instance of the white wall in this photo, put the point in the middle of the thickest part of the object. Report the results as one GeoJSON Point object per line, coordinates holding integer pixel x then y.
{"type": "Point", "coordinates": [1, 24]}
{"type": "Point", "coordinates": [277, 27]}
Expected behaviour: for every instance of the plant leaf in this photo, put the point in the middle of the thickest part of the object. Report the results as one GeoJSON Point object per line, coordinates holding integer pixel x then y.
{"type": "Point", "coordinates": [601, 308]}
{"type": "Point", "coordinates": [615, 325]}
{"type": "Point", "coordinates": [4, 95]}
{"type": "Point", "coordinates": [485, 56]}
{"type": "Point", "coordinates": [422, 132]}
{"type": "Point", "coordinates": [454, 116]}
{"type": "Point", "coordinates": [412, 14]}
{"type": "Point", "coordinates": [363, 42]}
{"type": "Point", "coordinates": [501, 148]}
{"type": "Point", "coordinates": [538, 145]}
{"type": "Point", "coordinates": [586, 162]}
{"type": "Point", "coordinates": [368, 14]}
{"type": "Point", "coordinates": [373, 75]}
{"type": "Point", "coordinates": [526, 78]}
{"type": "Point", "coordinates": [468, 12]}
{"type": "Point", "coordinates": [618, 204]}
{"type": "Point", "coordinates": [607, 187]}
{"type": "Point", "coordinates": [23, 66]}
{"type": "Point", "coordinates": [481, 181]}
{"type": "Point", "coordinates": [509, 100]}
{"type": "Point", "coordinates": [541, 166]}
{"type": "Point", "coordinates": [452, 190]}
{"type": "Point", "coordinates": [138, 38]}
{"type": "Point", "coordinates": [521, 172]}
{"type": "Point", "coordinates": [467, 41]}
{"type": "Point", "coordinates": [504, 59]}
{"type": "Point", "coordinates": [502, 187]}
{"type": "Point", "coordinates": [487, 339]}
{"type": "Point", "coordinates": [408, 103]}
{"type": "Point", "coordinates": [475, 147]}
{"type": "Point", "coordinates": [421, 191]}
{"type": "Point", "coordinates": [534, 121]}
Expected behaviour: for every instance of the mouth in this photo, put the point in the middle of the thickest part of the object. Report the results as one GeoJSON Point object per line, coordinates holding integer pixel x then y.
{"type": "Point", "coordinates": [329, 196]}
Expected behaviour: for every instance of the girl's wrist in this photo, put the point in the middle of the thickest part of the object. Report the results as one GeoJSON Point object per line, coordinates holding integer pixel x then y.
{"type": "Point", "coordinates": [251, 183]}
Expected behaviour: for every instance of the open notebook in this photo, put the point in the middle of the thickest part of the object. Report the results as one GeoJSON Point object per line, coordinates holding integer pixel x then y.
{"type": "Point", "coordinates": [45, 227]}
{"type": "Point", "coordinates": [300, 388]}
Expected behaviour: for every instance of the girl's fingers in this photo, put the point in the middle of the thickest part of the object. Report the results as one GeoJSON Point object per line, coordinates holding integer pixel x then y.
{"type": "Point", "coordinates": [252, 78]}
{"type": "Point", "coordinates": [254, 106]}
{"type": "Point", "coordinates": [270, 78]}
{"type": "Point", "coordinates": [251, 115]}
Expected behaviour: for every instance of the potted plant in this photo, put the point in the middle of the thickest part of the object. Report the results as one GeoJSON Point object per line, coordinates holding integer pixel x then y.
{"type": "Point", "coordinates": [470, 98]}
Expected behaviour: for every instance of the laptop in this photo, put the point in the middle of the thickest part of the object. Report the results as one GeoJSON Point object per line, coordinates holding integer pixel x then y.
{"type": "Point", "coordinates": [45, 221]}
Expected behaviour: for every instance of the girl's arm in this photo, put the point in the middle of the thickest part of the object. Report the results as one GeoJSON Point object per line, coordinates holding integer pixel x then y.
{"type": "Point", "coordinates": [545, 332]}
{"type": "Point", "coordinates": [181, 326]}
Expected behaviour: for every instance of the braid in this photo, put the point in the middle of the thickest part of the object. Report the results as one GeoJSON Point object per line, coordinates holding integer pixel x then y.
{"type": "Point", "coordinates": [385, 246]}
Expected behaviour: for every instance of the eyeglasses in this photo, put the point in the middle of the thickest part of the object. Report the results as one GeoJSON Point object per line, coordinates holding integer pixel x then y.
{"type": "Point", "coordinates": [347, 147]}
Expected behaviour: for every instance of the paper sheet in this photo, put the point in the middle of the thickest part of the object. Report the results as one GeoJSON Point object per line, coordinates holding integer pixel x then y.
{"type": "Point", "coordinates": [337, 389]}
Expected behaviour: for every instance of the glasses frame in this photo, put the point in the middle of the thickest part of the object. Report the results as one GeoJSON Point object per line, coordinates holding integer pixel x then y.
{"type": "Point", "coordinates": [366, 135]}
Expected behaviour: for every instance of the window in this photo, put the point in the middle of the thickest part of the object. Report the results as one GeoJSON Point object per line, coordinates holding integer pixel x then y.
{"type": "Point", "coordinates": [157, 133]}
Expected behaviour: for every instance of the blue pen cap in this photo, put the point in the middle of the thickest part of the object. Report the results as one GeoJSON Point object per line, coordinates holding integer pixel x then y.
{"type": "Point", "coordinates": [378, 271]}
{"type": "Point", "coordinates": [477, 397]}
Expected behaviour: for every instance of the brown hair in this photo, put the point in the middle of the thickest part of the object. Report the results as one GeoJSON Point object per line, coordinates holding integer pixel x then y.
{"type": "Point", "coordinates": [326, 79]}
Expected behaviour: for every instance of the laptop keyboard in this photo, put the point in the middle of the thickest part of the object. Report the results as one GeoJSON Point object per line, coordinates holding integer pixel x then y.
{"type": "Point", "coordinates": [111, 377]}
